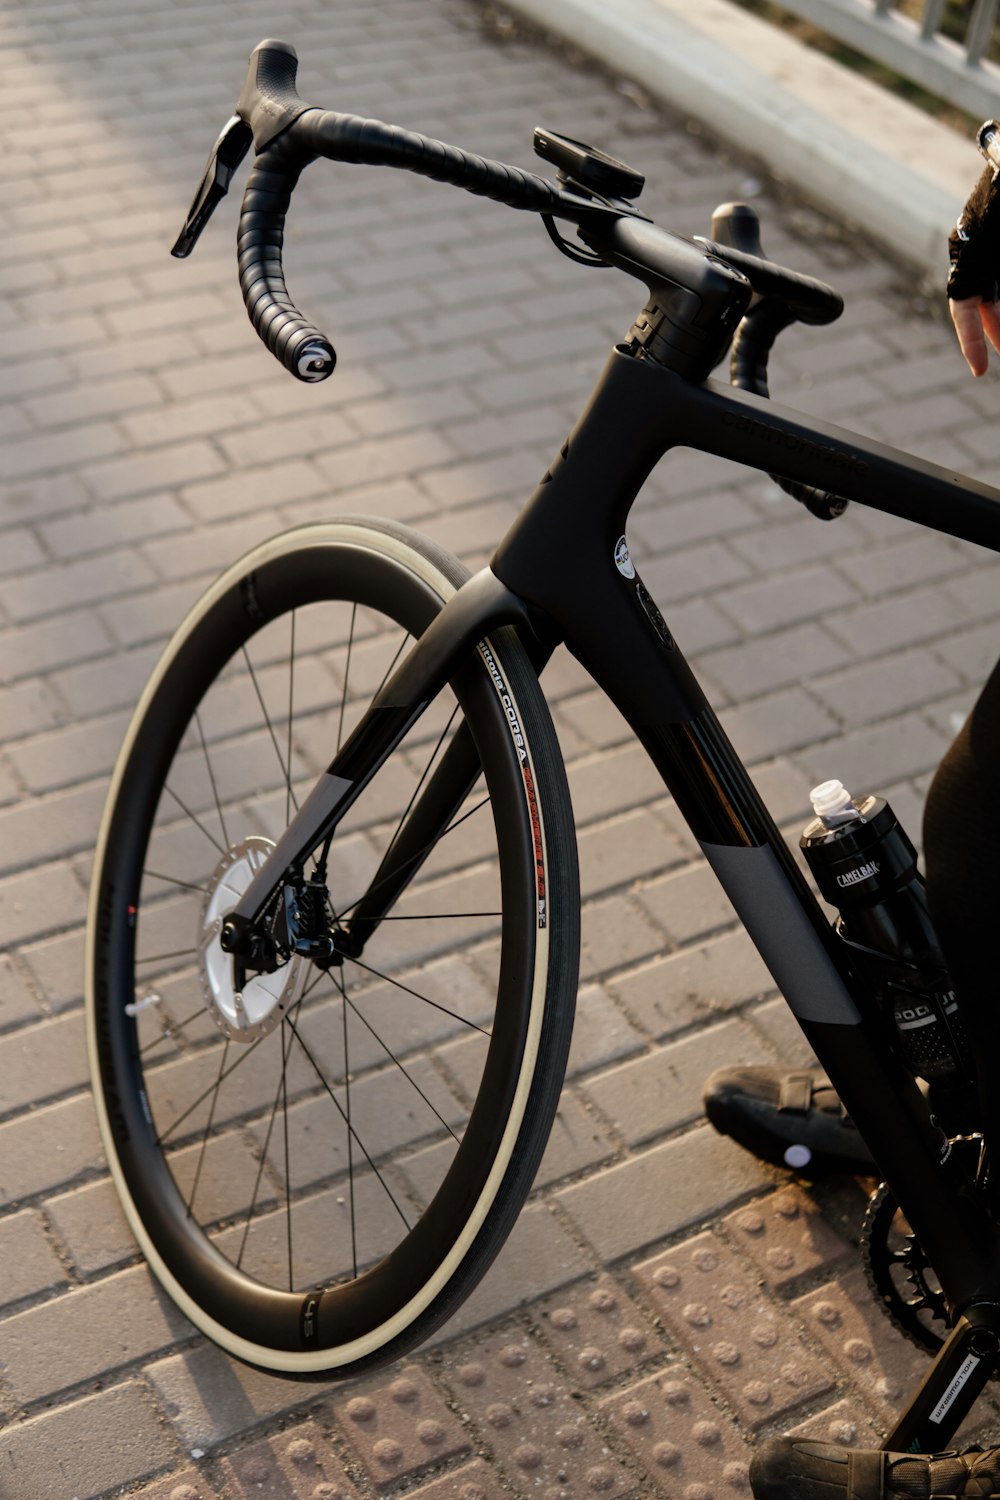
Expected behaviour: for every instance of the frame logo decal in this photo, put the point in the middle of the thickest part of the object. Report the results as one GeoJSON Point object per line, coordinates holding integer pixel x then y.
{"type": "Point", "coordinates": [517, 735]}
{"type": "Point", "coordinates": [623, 562]}
{"type": "Point", "coordinates": [818, 452]}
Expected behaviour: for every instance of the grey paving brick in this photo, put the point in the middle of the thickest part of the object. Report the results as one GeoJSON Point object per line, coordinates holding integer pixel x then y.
{"type": "Point", "coordinates": [255, 489]}
{"type": "Point", "coordinates": [48, 1148]}
{"type": "Point", "coordinates": [47, 591]}
{"type": "Point", "coordinates": [17, 1003]}
{"type": "Point", "coordinates": [539, 1256]}
{"type": "Point", "coordinates": [687, 904]}
{"type": "Point", "coordinates": [614, 933]}
{"type": "Point", "coordinates": [901, 621]}
{"type": "Point", "coordinates": [56, 968]}
{"type": "Point", "coordinates": [90, 1224]}
{"type": "Point", "coordinates": [50, 644]}
{"type": "Point", "coordinates": [878, 689]}
{"type": "Point", "coordinates": [69, 754]}
{"type": "Point", "coordinates": [577, 1143]}
{"type": "Point", "coordinates": [601, 1032]}
{"type": "Point", "coordinates": [86, 1448]}
{"type": "Point", "coordinates": [47, 1349]}
{"type": "Point", "coordinates": [210, 1399]}
{"type": "Point", "coordinates": [27, 707]}
{"type": "Point", "coordinates": [102, 528]}
{"type": "Point", "coordinates": [29, 1264]}
{"type": "Point", "coordinates": [658, 1192]}
{"type": "Point", "coordinates": [777, 724]}
{"type": "Point", "coordinates": [366, 462]}
{"type": "Point", "coordinates": [653, 1095]}
{"type": "Point", "coordinates": [138, 473]}
{"type": "Point", "coordinates": [39, 902]}
{"type": "Point", "coordinates": [789, 656]}
{"type": "Point", "coordinates": [802, 595]}
{"type": "Point", "coordinates": [41, 1062]}
{"type": "Point", "coordinates": [879, 754]}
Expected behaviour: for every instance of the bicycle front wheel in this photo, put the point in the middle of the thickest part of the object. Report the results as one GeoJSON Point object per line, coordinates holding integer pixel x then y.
{"type": "Point", "coordinates": [320, 1166]}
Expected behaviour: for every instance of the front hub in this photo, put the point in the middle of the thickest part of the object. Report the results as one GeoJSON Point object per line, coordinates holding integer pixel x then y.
{"type": "Point", "coordinates": [242, 1013]}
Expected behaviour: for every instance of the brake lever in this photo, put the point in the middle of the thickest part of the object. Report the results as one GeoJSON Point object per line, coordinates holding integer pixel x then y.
{"type": "Point", "coordinates": [224, 158]}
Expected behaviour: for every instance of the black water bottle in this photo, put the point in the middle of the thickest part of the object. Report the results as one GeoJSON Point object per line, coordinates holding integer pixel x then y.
{"type": "Point", "coordinates": [866, 867]}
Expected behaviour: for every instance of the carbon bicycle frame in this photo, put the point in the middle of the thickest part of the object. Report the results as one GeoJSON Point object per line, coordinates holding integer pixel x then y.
{"type": "Point", "coordinates": [562, 575]}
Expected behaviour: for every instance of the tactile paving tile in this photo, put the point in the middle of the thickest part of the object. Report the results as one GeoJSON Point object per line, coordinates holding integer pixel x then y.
{"type": "Point", "coordinates": [718, 1314]}
{"type": "Point", "coordinates": [311, 1465]}
{"type": "Point", "coordinates": [845, 1424]}
{"type": "Point", "coordinates": [538, 1433]}
{"type": "Point", "coordinates": [474, 1481]}
{"type": "Point", "coordinates": [255, 1472]}
{"type": "Point", "coordinates": [848, 1322]}
{"type": "Point", "coordinates": [187, 1485]}
{"type": "Point", "coordinates": [398, 1426]}
{"type": "Point", "coordinates": [598, 1332]}
{"type": "Point", "coordinates": [688, 1447]}
{"type": "Point", "coordinates": [786, 1236]}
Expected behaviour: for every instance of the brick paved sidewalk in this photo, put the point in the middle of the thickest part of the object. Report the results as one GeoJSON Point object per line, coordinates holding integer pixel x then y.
{"type": "Point", "coordinates": [659, 1304]}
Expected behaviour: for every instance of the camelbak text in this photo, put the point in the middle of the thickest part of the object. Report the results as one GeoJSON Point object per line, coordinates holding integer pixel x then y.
{"type": "Point", "coordinates": [862, 872]}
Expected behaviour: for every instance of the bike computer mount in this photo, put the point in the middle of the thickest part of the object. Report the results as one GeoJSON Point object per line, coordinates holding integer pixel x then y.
{"type": "Point", "coordinates": [586, 169]}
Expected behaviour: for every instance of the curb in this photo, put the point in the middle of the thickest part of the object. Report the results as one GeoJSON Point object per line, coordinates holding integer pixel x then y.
{"type": "Point", "coordinates": [847, 145]}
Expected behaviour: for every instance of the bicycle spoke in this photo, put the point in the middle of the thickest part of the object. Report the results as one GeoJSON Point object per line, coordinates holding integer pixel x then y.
{"type": "Point", "coordinates": [194, 818]}
{"type": "Point", "coordinates": [347, 676]}
{"type": "Point", "coordinates": [169, 1034]}
{"type": "Point", "coordinates": [286, 1048]}
{"type": "Point", "coordinates": [399, 985]}
{"type": "Point", "coordinates": [288, 1171]}
{"type": "Point", "coordinates": [245, 1052]}
{"type": "Point", "coordinates": [161, 958]}
{"type": "Point", "coordinates": [345, 912]}
{"type": "Point", "coordinates": [186, 885]}
{"type": "Point", "coordinates": [211, 777]}
{"type": "Point", "coordinates": [426, 772]}
{"type": "Point", "coordinates": [350, 1142]}
{"type": "Point", "coordinates": [407, 1075]}
{"type": "Point", "coordinates": [288, 752]}
{"type": "Point", "coordinates": [207, 1130]}
{"type": "Point", "coordinates": [340, 1110]}
{"type": "Point", "coordinates": [286, 770]}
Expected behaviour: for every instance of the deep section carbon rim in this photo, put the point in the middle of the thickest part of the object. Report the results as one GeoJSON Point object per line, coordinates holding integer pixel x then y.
{"type": "Point", "coordinates": [320, 1164]}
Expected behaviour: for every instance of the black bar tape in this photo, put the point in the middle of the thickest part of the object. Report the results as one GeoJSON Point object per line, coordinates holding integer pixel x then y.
{"type": "Point", "coordinates": [350, 138]}
{"type": "Point", "coordinates": [810, 300]}
{"type": "Point", "coordinates": [300, 346]}
{"type": "Point", "coordinates": [752, 345]}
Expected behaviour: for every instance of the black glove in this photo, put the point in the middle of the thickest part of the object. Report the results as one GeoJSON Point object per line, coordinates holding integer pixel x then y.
{"type": "Point", "coordinates": [974, 243]}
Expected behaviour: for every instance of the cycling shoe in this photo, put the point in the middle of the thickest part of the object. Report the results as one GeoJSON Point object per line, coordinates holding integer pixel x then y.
{"type": "Point", "coordinates": [798, 1469]}
{"type": "Point", "coordinates": [791, 1117]}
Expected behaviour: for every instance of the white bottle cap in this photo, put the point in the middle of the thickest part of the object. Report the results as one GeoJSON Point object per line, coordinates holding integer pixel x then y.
{"type": "Point", "coordinates": [830, 798]}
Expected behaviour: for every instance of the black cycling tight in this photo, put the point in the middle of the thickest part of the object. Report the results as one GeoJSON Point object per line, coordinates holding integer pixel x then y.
{"type": "Point", "coordinates": [962, 856]}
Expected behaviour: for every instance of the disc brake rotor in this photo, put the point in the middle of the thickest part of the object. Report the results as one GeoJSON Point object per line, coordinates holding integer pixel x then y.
{"type": "Point", "coordinates": [248, 1014]}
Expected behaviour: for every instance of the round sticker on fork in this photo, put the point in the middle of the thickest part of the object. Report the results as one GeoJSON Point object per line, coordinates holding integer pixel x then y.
{"type": "Point", "coordinates": [623, 562]}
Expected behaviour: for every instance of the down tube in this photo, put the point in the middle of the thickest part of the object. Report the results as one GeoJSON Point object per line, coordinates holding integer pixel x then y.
{"type": "Point", "coordinates": [795, 940]}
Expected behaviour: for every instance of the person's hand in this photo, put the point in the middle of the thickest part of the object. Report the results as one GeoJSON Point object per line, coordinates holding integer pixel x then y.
{"type": "Point", "coordinates": [976, 321]}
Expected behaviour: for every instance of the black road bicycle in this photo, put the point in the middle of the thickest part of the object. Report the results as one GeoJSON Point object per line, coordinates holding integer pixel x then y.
{"type": "Point", "coordinates": [334, 922]}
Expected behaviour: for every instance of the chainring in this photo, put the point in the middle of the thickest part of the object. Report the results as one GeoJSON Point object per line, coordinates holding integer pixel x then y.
{"type": "Point", "coordinates": [900, 1275]}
